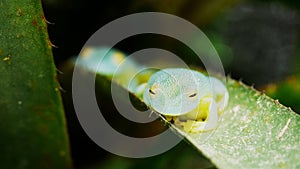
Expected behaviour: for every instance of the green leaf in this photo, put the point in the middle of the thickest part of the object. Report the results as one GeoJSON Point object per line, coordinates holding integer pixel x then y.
{"type": "Point", "coordinates": [255, 131]}
{"type": "Point", "coordinates": [32, 123]}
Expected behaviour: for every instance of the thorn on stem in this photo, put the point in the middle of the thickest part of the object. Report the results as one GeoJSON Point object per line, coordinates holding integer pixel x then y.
{"type": "Point", "coordinates": [51, 44]}
{"type": "Point", "coordinates": [58, 71]}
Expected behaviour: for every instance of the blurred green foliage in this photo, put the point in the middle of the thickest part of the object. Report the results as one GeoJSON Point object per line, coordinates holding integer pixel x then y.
{"type": "Point", "coordinates": [287, 92]}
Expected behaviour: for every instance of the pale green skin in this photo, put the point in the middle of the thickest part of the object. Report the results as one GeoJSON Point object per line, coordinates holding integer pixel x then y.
{"type": "Point", "coordinates": [174, 89]}
{"type": "Point", "coordinates": [188, 96]}
{"type": "Point", "coordinates": [111, 63]}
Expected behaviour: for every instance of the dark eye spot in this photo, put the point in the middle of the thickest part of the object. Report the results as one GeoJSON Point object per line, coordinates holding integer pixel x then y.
{"type": "Point", "coordinates": [193, 95]}
{"type": "Point", "coordinates": [152, 92]}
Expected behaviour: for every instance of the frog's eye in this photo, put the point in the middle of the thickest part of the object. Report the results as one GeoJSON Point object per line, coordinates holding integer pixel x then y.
{"type": "Point", "coordinates": [193, 95]}
{"type": "Point", "coordinates": [153, 89]}
{"type": "Point", "coordinates": [151, 92]}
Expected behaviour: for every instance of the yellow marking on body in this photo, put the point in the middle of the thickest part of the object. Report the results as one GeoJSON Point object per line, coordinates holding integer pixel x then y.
{"type": "Point", "coordinates": [202, 110]}
{"type": "Point", "coordinates": [118, 58]}
{"type": "Point", "coordinates": [86, 52]}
